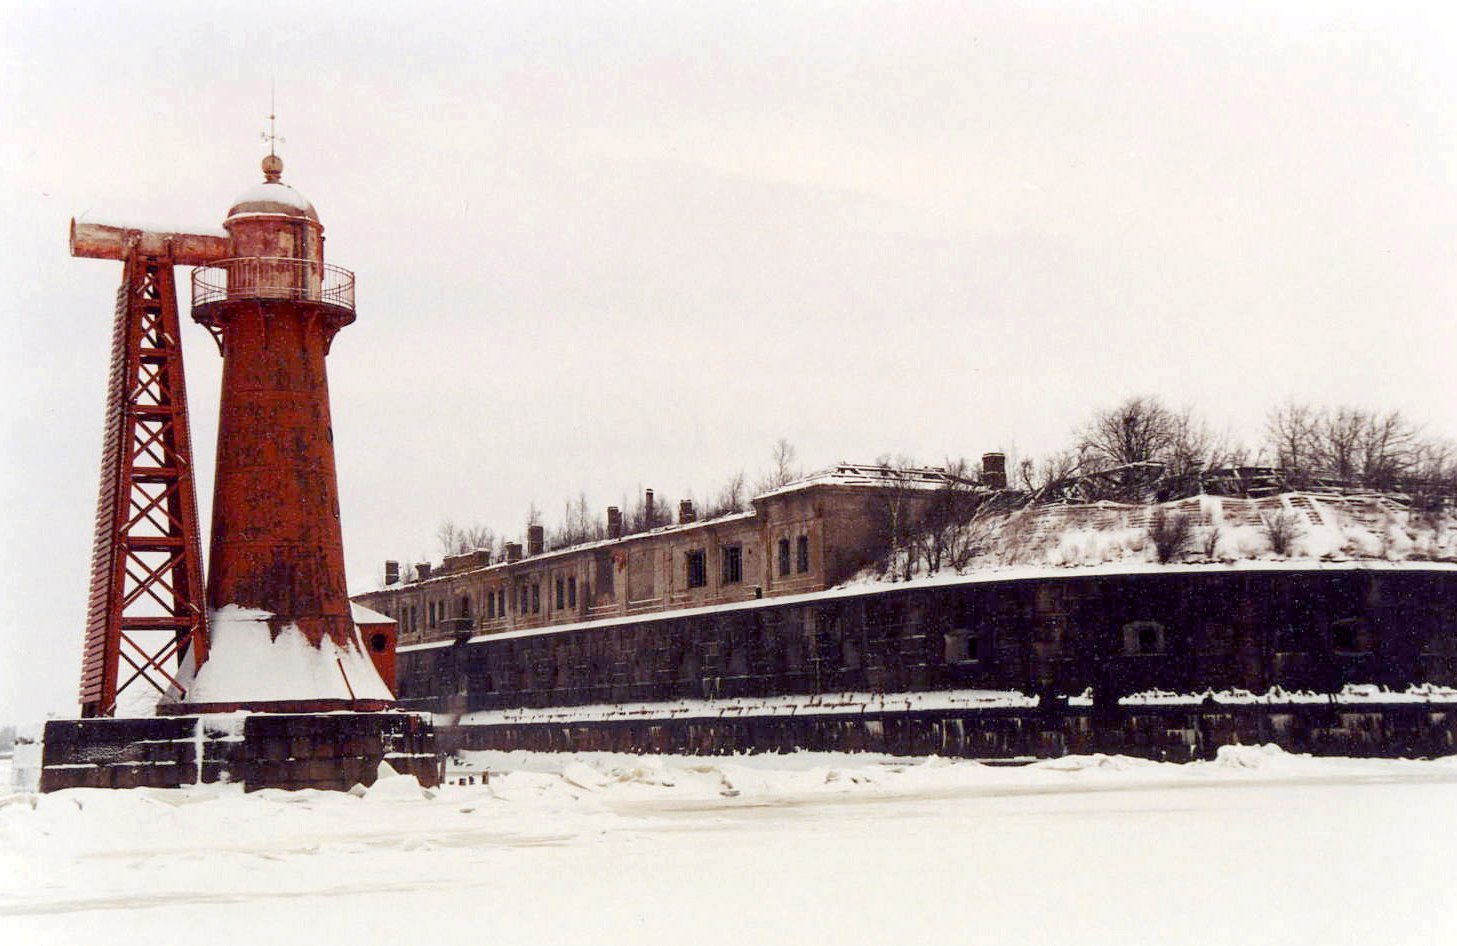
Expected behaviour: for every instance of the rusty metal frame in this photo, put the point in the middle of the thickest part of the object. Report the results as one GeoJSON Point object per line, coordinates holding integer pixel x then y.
{"type": "Point", "coordinates": [146, 608]}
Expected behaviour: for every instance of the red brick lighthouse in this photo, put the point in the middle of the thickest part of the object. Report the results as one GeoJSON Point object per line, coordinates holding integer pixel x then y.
{"type": "Point", "coordinates": [280, 628]}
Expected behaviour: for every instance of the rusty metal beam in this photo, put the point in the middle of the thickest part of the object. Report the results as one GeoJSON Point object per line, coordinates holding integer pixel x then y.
{"type": "Point", "coordinates": [105, 241]}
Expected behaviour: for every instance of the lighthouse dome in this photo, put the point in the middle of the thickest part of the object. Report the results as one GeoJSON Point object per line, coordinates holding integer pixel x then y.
{"type": "Point", "coordinates": [272, 197]}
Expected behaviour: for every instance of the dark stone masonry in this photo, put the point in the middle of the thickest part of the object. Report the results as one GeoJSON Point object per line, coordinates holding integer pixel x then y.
{"type": "Point", "coordinates": [1166, 733]}
{"type": "Point", "coordinates": [1100, 638]}
{"type": "Point", "coordinates": [259, 750]}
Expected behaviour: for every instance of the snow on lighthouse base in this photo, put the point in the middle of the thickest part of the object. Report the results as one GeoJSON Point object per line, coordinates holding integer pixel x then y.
{"type": "Point", "coordinates": [252, 665]}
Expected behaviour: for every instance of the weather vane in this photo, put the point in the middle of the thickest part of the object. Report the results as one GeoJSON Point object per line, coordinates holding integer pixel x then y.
{"type": "Point", "coordinates": [271, 135]}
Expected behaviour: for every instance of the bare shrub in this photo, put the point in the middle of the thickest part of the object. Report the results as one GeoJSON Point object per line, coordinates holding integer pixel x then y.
{"type": "Point", "coordinates": [1170, 533]}
{"type": "Point", "coordinates": [1282, 528]}
{"type": "Point", "coordinates": [1209, 542]}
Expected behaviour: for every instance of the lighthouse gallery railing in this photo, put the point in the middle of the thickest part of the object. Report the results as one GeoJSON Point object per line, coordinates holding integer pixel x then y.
{"type": "Point", "coordinates": [272, 277]}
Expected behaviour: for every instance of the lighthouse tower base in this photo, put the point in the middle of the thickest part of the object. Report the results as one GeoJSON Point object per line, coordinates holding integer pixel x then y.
{"type": "Point", "coordinates": [330, 751]}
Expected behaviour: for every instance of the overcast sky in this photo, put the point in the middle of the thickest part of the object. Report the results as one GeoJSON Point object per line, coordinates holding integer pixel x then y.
{"type": "Point", "coordinates": [604, 246]}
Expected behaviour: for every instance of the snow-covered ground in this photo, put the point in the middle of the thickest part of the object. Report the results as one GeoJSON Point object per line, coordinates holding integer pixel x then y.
{"type": "Point", "coordinates": [1256, 847]}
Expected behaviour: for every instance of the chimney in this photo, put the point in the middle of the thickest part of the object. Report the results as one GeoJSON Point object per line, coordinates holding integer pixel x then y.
{"type": "Point", "coordinates": [535, 540]}
{"type": "Point", "coordinates": [685, 511]}
{"type": "Point", "coordinates": [994, 470]}
{"type": "Point", "coordinates": [648, 507]}
{"type": "Point", "coordinates": [391, 572]}
{"type": "Point", "coordinates": [614, 522]}
{"type": "Point", "coordinates": [513, 551]}
{"type": "Point", "coordinates": [422, 571]}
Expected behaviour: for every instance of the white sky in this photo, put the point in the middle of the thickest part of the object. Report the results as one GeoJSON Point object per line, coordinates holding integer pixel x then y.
{"type": "Point", "coordinates": [609, 245]}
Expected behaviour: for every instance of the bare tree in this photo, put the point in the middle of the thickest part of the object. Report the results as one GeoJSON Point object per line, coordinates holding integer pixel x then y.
{"type": "Point", "coordinates": [1388, 449]}
{"type": "Point", "coordinates": [943, 520]}
{"type": "Point", "coordinates": [1139, 430]}
{"type": "Point", "coordinates": [447, 536]}
{"type": "Point", "coordinates": [783, 469]}
{"type": "Point", "coordinates": [728, 500]}
{"type": "Point", "coordinates": [1338, 442]}
{"type": "Point", "coordinates": [454, 539]}
{"type": "Point", "coordinates": [578, 524]}
{"type": "Point", "coordinates": [898, 507]}
{"type": "Point", "coordinates": [639, 518]}
{"type": "Point", "coordinates": [1352, 444]}
{"type": "Point", "coordinates": [1291, 433]}
{"type": "Point", "coordinates": [1038, 476]}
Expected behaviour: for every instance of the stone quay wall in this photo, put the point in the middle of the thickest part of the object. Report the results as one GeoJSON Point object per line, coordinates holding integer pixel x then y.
{"type": "Point", "coordinates": [259, 750]}
{"type": "Point", "coordinates": [1164, 733]}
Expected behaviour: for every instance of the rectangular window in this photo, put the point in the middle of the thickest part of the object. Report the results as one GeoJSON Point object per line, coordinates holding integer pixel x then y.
{"type": "Point", "coordinates": [561, 594]}
{"type": "Point", "coordinates": [430, 617]}
{"type": "Point", "coordinates": [801, 554]}
{"type": "Point", "coordinates": [1143, 638]}
{"type": "Point", "coordinates": [733, 564]}
{"type": "Point", "coordinates": [414, 618]}
{"type": "Point", "coordinates": [605, 568]}
{"type": "Point", "coordinates": [536, 597]}
{"type": "Point", "coordinates": [1350, 636]}
{"type": "Point", "coordinates": [697, 569]}
{"type": "Point", "coordinates": [572, 591]}
{"type": "Point", "coordinates": [964, 647]}
{"type": "Point", "coordinates": [490, 605]}
{"type": "Point", "coordinates": [783, 557]}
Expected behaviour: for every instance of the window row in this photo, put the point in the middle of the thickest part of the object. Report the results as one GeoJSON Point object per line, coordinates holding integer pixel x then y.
{"type": "Point", "coordinates": [801, 555]}
{"type": "Point", "coordinates": [523, 599]}
{"type": "Point", "coordinates": [731, 566]}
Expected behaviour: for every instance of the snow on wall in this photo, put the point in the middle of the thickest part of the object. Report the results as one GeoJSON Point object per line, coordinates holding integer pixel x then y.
{"type": "Point", "coordinates": [821, 704]}
{"type": "Point", "coordinates": [246, 663]}
{"type": "Point", "coordinates": [1352, 694]}
{"type": "Point", "coordinates": [791, 705]}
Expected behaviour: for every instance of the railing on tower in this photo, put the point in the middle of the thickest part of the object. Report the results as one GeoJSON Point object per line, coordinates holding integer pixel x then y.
{"type": "Point", "coordinates": [272, 277]}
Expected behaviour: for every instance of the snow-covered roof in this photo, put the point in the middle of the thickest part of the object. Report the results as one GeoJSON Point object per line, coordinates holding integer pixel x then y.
{"type": "Point", "coordinates": [151, 226]}
{"type": "Point", "coordinates": [272, 197]}
{"type": "Point", "coordinates": [574, 549]}
{"type": "Point", "coordinates": [362, 615]}
{"type": "Point", "coordinates": [871, 475]}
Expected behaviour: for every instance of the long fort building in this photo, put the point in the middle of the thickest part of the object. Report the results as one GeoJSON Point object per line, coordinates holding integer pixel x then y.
{"type": "Point", "coordinates": [770, 630]}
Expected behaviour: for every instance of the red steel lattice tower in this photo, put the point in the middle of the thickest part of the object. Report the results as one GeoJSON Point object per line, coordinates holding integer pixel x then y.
{"type": "Point", "coordinates": [145, 612]}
